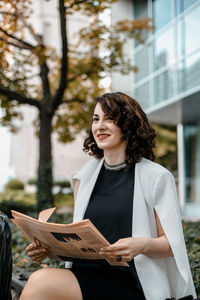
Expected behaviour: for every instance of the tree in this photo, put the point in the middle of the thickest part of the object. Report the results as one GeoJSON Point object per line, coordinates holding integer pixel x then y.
{"type": "Point", "coordinates": [67, 84]}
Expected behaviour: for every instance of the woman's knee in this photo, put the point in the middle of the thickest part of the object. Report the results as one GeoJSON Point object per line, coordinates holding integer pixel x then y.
{"type": "Point", "coordinates": [35, 285]}
{"type": "Point", "coordinates": [52, 284]}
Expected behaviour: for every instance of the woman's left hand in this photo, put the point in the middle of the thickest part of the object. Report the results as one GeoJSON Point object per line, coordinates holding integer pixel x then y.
{"type": "Point", "coordinates": [127, 248]}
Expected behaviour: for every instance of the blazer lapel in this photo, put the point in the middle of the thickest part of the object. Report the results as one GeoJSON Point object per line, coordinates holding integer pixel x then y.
{"type": "Point", "coordinates": [140, 223]}
{"type": "Point", "coordinates": [85, 191]}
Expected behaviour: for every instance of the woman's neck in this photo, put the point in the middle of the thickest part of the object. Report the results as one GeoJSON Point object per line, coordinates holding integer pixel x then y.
{"type": "Point", "coordinates": [114, 157]}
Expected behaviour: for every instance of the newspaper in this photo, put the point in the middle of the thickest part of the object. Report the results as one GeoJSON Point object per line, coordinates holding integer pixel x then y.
{"type": "Point", "coordinates": [67, 242]}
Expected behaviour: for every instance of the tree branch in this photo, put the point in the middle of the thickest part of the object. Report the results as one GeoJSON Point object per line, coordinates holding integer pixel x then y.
{"type": "Point", "coordinates": [11, 36]}
{"type": "Point", "coordinates": [14, 44]}
{"type": "Point", "coordinates": [72, 101]}
{"type": "Point", "coordinates": [57, 99]}
{"type": "Point", "coordinates": [76, 3]}
{"type": "Point", "coordinates": [28, 26]}
{"type": "Point", "coordinates": [36, 36]}
{"type": "Point", "coordinates": [12, 95]}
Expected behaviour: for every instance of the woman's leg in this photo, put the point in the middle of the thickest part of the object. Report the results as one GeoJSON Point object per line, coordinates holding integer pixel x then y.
{"type": "Point", "coordinates": [52, 284]}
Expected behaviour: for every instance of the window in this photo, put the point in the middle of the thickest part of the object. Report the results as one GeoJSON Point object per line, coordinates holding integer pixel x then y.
{"type": "Point", "coordinates": [189, 33]}
{"type": "Point", "coordinates": [192, 162]}
{"type": "Point", "coordinates": [182, 5]}
{"type": "Point", "coordinates": [142, 63]}
{"type": "Point", "coordinates": [164, 53]}
{"type": "Point", "coordinates": [142, 95]}
{"type": "Point", "coordinates": [141, 11]}
{"type": "Point", "coordinates": [164, 86]}
{"type": "Point", "coordinates": [162, 13]}
{"type": "Point", "coordinates": [189, 73]}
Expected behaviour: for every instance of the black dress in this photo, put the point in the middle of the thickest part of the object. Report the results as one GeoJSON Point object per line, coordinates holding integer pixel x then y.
{"type": "Point", "coordinates": [110, 210]}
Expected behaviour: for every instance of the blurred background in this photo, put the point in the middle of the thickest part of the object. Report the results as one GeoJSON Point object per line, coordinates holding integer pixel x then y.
{"type": "Point", "coordinates": [55, 57]}
{"type": "Point", "coordinates": [165, 81]}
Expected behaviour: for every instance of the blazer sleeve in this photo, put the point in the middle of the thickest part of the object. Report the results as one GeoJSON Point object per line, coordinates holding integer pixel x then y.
{"type": "Point", "coordinates": [80, 175]}
{"type": "Point", "coordinates": [165, 202]}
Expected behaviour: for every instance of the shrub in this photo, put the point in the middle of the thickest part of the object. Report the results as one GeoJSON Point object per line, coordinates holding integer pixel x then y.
{"type": "Point", "coordinates": [7, 206]}
{"type": "Point", "coordinates": [14, 184]}
{"type": "Point", "coordinates": [61, 199]}
{"type": "Point", "coordinates": [192, 240]}
{"type": "Point", "coordinates": [32, 181]}
{"type": "Point", "coordinates": [17, 200]}
{"type": "Point", "coordinates": [62, 184]}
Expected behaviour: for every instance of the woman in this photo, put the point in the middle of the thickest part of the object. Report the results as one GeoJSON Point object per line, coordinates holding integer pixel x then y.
{"type": "Point", "coordinates": [133, 202]}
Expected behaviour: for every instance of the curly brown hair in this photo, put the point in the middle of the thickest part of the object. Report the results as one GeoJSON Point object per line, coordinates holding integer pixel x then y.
{"type": "Point", "coordinates": [131, 119]}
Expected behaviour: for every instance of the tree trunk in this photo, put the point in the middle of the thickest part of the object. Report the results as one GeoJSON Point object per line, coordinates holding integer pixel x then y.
{"type": "Point", "coordinates": [45, 177]}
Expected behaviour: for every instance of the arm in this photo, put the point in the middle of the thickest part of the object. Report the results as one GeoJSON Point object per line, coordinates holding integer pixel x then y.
{"type": "Point", "coordinates": [130, 247]}
{"type": "Point", "coordinates": [157, 247]}
{"type": "Point", "coordinates": [76, 186]}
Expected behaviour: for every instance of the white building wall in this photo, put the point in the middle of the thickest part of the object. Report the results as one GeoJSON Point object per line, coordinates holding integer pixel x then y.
{"type": "Point", "coordinates": [67, 158]}
{"type": "Point", "coordinates": [123, 10]}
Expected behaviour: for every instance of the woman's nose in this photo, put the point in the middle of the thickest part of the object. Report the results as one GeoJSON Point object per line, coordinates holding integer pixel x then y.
{"type": "Point", "coordinates": [101, 125]}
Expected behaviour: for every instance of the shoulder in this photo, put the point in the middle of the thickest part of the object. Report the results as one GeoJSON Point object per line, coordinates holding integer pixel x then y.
{"type": "Point", "coordinates": [153, 169]}
{"type": "Point", "coordinates": [88, 168]}
{"type": "Point", "coordinates": [91, 164]}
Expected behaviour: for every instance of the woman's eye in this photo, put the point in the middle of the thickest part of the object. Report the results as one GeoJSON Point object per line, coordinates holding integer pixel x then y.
{"type": "Point", "coordinates": [95, 119]}
{"type": "Point", "coordinates": [110, 118]}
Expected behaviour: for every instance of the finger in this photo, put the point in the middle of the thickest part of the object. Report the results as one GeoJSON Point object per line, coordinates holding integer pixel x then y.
{"type": "Point", "coordinates": [37, 243]}
{"type": "Point", "coordinates": [38, 257]}
{"type": "Point", "coordinates": [30, 246]}
{"type": "Point", "coordinates": [116, 246]}
{"type": "Point", "coordinates": [115, 251]}
{"type": "Point", "coordinates": [38, 251]}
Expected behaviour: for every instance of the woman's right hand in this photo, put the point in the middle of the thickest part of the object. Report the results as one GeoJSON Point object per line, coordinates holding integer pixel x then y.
{"type": "Point", "coordinates": [36, 252]}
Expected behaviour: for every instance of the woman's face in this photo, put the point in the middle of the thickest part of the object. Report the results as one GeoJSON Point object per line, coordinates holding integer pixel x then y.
{"type": "Point", "coordinates": [106, 133]}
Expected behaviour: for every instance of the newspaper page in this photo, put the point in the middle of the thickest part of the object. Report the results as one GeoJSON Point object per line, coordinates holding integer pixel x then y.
{"type": "Point", "coordinates": [67, 242]}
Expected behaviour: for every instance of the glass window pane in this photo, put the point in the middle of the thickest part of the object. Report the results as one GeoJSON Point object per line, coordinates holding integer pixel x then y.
{"type": "Point", "coordinates": [182, 5]}
{"type": "Point", "coordinates": [189, 73]}
{"type": "Point", "coordinates": [164, 52]}
{"type": "Point", "coordinates": [164, 86]}
{"type": "Point", "coordinates": [142, 63]}
{"type": "Point", "coordinates": [192, 162]}
{"type": "Point", "coordinates": [141, 11]}
{"type": "Point", "coordinates": [142, 95]}
{"type": "Point", "coordinates": [162, 13]}
{"type": "Point", "coordinates": [189, 33]}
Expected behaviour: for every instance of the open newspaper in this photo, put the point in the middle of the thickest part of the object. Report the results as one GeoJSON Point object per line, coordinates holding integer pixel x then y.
{"type": "Point", "coordinates": [67, 242]}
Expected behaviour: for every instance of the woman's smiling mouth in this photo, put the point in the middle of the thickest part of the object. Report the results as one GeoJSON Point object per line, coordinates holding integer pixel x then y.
{"type": "Point", "coordinates": [102, 136]}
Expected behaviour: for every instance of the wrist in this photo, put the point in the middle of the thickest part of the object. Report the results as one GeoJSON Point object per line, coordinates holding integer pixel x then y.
{"type": "Point", "coordinates": [144, 246]}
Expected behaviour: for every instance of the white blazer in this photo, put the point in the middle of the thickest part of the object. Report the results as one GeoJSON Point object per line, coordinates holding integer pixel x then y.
{"type": "Point", "coordinates": [160, 278]}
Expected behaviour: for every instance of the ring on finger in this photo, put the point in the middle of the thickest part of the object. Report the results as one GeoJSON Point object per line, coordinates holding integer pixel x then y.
{"type": "Point", "coordinates": [119, 258]}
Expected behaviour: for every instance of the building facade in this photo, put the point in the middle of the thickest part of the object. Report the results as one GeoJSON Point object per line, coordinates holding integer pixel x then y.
{"type": "Point", "coordinates": [168, 84]}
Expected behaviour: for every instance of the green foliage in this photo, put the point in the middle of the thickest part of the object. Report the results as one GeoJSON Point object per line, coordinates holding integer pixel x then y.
{"type": "Point", "coordinates": [17, 200]}
{"type": "Point", "coordinates": [166, 146]}
{"type": "Point", "coordinates": [32, 181]}
{"type": "Point", "coordinates": [14, 184]}
{"type": "Point", "coordinates": [26, 202]}
{"type": "Point", "coordinates": [63, 200]}
{"type": "Point", "coordinates": [192, 239]}
{"type": "Point", "coordinates": [62, 183]}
